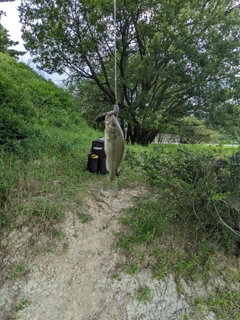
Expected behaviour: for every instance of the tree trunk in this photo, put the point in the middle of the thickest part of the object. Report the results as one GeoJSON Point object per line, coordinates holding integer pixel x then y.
{"type": "Point", "coordinates": [129, 135]}
{"type": "Point", "coordinates": [140, 135]}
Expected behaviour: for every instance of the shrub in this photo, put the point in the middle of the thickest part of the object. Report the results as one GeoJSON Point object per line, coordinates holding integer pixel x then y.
{"type": "Point", "coordinates": [206, 185]}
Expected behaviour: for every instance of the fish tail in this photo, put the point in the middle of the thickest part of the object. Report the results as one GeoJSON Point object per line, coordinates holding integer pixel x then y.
{"type": "Point", "coordinates": [111, 185]}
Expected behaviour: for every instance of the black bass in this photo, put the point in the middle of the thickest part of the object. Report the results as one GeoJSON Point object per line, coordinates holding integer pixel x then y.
{"type": "Point", "coordinates": [114, 148]}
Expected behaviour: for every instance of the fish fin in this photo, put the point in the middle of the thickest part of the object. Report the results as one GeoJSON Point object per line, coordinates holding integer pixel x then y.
{"type": "Point", "coordinates": [116, 110]}
{"type": "Point", "coordinates": [111, 186]}
{"type": "Point", "coordinates": [100, 117]}
{"type": "Point", "coordinates": [107, 166]}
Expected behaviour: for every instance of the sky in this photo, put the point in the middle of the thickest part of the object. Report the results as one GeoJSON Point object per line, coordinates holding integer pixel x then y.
{"type": "Point", "coordinates": [12, 24]}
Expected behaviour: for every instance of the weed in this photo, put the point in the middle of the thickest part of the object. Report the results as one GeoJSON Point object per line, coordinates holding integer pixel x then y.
{"type": "Point", "coordinates": [47, 208]}
{"type": "Point", "coordinates": [22, 305]}
{"type": "Point", "coordinates": [225, 304]}
{"type": "Point", "coordinates": [65, 246]}
{"type": "Point", "coordinates": [180, 288]}
{"type": "Point", "coordinates": [59, 234]}
{"type": "Point", "coordinates": [148, 219]}
{"type": "Point", "coordinates": [84, 217]}
{"type": "Point", "coordinates": [164, 261]}
{"type": "Point", "coordinates": [144, 294]}
{"type": "Point", "coordinates": [130, 269]}
{"type": "Point", "coordinates": [17, 271]}
{"type": "Point", "coordinates": [115, 276]}
{"type": "Point", "coordinates": [183, 265]}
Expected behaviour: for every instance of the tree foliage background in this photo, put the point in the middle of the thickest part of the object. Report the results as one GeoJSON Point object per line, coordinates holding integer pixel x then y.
{"type": "Point", "coordinates": [174, 58]}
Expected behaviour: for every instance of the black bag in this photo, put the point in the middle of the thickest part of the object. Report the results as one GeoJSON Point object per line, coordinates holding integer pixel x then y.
{"type": "Point", "coordinates": [97, 158]}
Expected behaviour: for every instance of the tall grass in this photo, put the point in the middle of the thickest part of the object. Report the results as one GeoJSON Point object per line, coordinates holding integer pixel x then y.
{"type": "Point", "coordinates": [193, 210]}
{"type": "Point", "coordinates": [44, 143]}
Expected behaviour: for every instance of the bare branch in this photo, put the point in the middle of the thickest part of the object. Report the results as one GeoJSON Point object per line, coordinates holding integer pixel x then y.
{"type": "Point", "coordinates": [225, 224]}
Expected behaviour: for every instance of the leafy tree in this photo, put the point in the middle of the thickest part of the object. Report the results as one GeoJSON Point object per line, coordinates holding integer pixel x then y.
{"type": "Point", "coordinates": [174, 58]}
{"type": "Point", "coordinates": [6, 43]}
{"type": "Point", "coordinates": [193, 130]}
{"type": "Point", "coordinates": [226, 119]}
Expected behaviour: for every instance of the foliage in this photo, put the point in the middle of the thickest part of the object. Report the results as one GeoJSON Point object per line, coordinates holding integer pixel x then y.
{"type": "Point", "coordinates": [149, 219]}
{"type": "Point", "coordinates": [44, 147]}
{"type": "Point", "coordinates": [144, 294]}
{"type": "Point", "coordinates": [84, 217]}
{"type": "Point", "coordinates": [226, 119]}
{"type": "Point", "coordinates": [204, 186]}
{"type": "Point", "coordinates": [24, 303]}
{"type": "Point", "coordinates": [193, 130]}
{"type": "Point", "coordinates": [174, 60]}
{"type": "Point", "coordinates": [28, 102]}
{"type": "Point", "coordinates": [224, 303]}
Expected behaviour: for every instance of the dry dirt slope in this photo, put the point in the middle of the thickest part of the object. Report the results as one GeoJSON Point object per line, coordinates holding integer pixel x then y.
{"type": "Point", "coordinates": [79, 283]}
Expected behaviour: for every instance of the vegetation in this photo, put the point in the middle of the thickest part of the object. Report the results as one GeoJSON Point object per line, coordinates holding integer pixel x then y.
{"type": "Point", "coordinates": [192, 130]}
{"type": "Point", "coordinates": [43, 149]}
{"type": "Point", "coordinates": [175, 59]}
{"type": "Point", "coordinates": [144, 294]}
{"type": "Point", "coordinates": [190, 214]}
{"type": "Point", "coordinates": [198, 190]}
{"type": "Point", "coordinates": [224, 304]}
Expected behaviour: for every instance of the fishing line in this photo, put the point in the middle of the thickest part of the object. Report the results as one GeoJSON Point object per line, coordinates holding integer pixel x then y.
{"type": "Point", "coordinates": [115, 50]}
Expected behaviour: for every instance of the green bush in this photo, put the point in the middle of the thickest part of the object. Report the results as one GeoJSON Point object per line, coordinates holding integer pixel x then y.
{"type": "Point", "coordinates": [205, 184]}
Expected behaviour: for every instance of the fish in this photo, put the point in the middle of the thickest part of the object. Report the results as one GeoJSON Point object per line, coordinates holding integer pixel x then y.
{"type": "Point", "coordinates": [114, 149]}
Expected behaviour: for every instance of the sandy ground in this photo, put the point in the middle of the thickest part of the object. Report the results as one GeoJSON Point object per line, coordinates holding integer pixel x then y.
{"type": "Point", "coordinates": [87, 281]}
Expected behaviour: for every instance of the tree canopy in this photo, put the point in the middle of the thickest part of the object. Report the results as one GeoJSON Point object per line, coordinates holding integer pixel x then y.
{"type": "Point", "coordinates": [174, 58]}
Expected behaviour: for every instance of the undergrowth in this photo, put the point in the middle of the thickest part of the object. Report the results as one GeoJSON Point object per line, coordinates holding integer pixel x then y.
{"type": "Point", "coordinates": [204, 187]}
{"type": "Point", "coordinates": [44, 144]}
{"type": "Point", "coordinates": [193, 212]}
{"type": "Point", "coordinates": [188, 220]}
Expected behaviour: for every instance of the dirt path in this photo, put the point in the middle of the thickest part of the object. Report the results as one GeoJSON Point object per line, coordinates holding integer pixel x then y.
{"type": "Point", "coordinates": [77, 284]}
{"type": "Point", "coordinates": [86, 282]}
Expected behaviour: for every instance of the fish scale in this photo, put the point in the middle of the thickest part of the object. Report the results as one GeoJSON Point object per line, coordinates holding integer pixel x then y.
{"type": "Point", "coordinates": [114, 148]}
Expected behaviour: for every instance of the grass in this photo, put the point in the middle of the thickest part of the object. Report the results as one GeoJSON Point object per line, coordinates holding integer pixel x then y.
{"type": "Point", "coordinates": [156, 235]}
{"type": "Point", "coordinates": [41, 187]}
{"type": "Point", "coordinates": [44, 177]}
{"type": "Point", "coordinates": [17, 271]}
{"type": "Point", "coordinates": [84, 217]}
{"type": "Point", "coordinates": [40, 191]}
{"type": "Point", "coordinates": [22, 305]}
{"type": "Point", "coordinates": [225, 304]}
{"type": "Point", "coordinates": [116, 276]}
{"type": "Point", "coordinates": [167, 232]}
{"type": "Point", "coordinates": [144, 294]}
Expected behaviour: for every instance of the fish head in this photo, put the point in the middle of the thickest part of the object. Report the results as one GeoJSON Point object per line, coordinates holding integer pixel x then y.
{"type": "Point", "coordinates": [112, 125]}
{"type": "Point", "coordinates": [110, 119]}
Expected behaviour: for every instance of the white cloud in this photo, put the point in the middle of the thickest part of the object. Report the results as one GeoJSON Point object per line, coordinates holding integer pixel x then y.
{"type": "Point", "coordinates": [11, 22]}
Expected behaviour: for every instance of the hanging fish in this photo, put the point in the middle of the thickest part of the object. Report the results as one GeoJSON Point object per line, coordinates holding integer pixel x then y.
{"type": "Point", "coordinates": [114, 148]}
